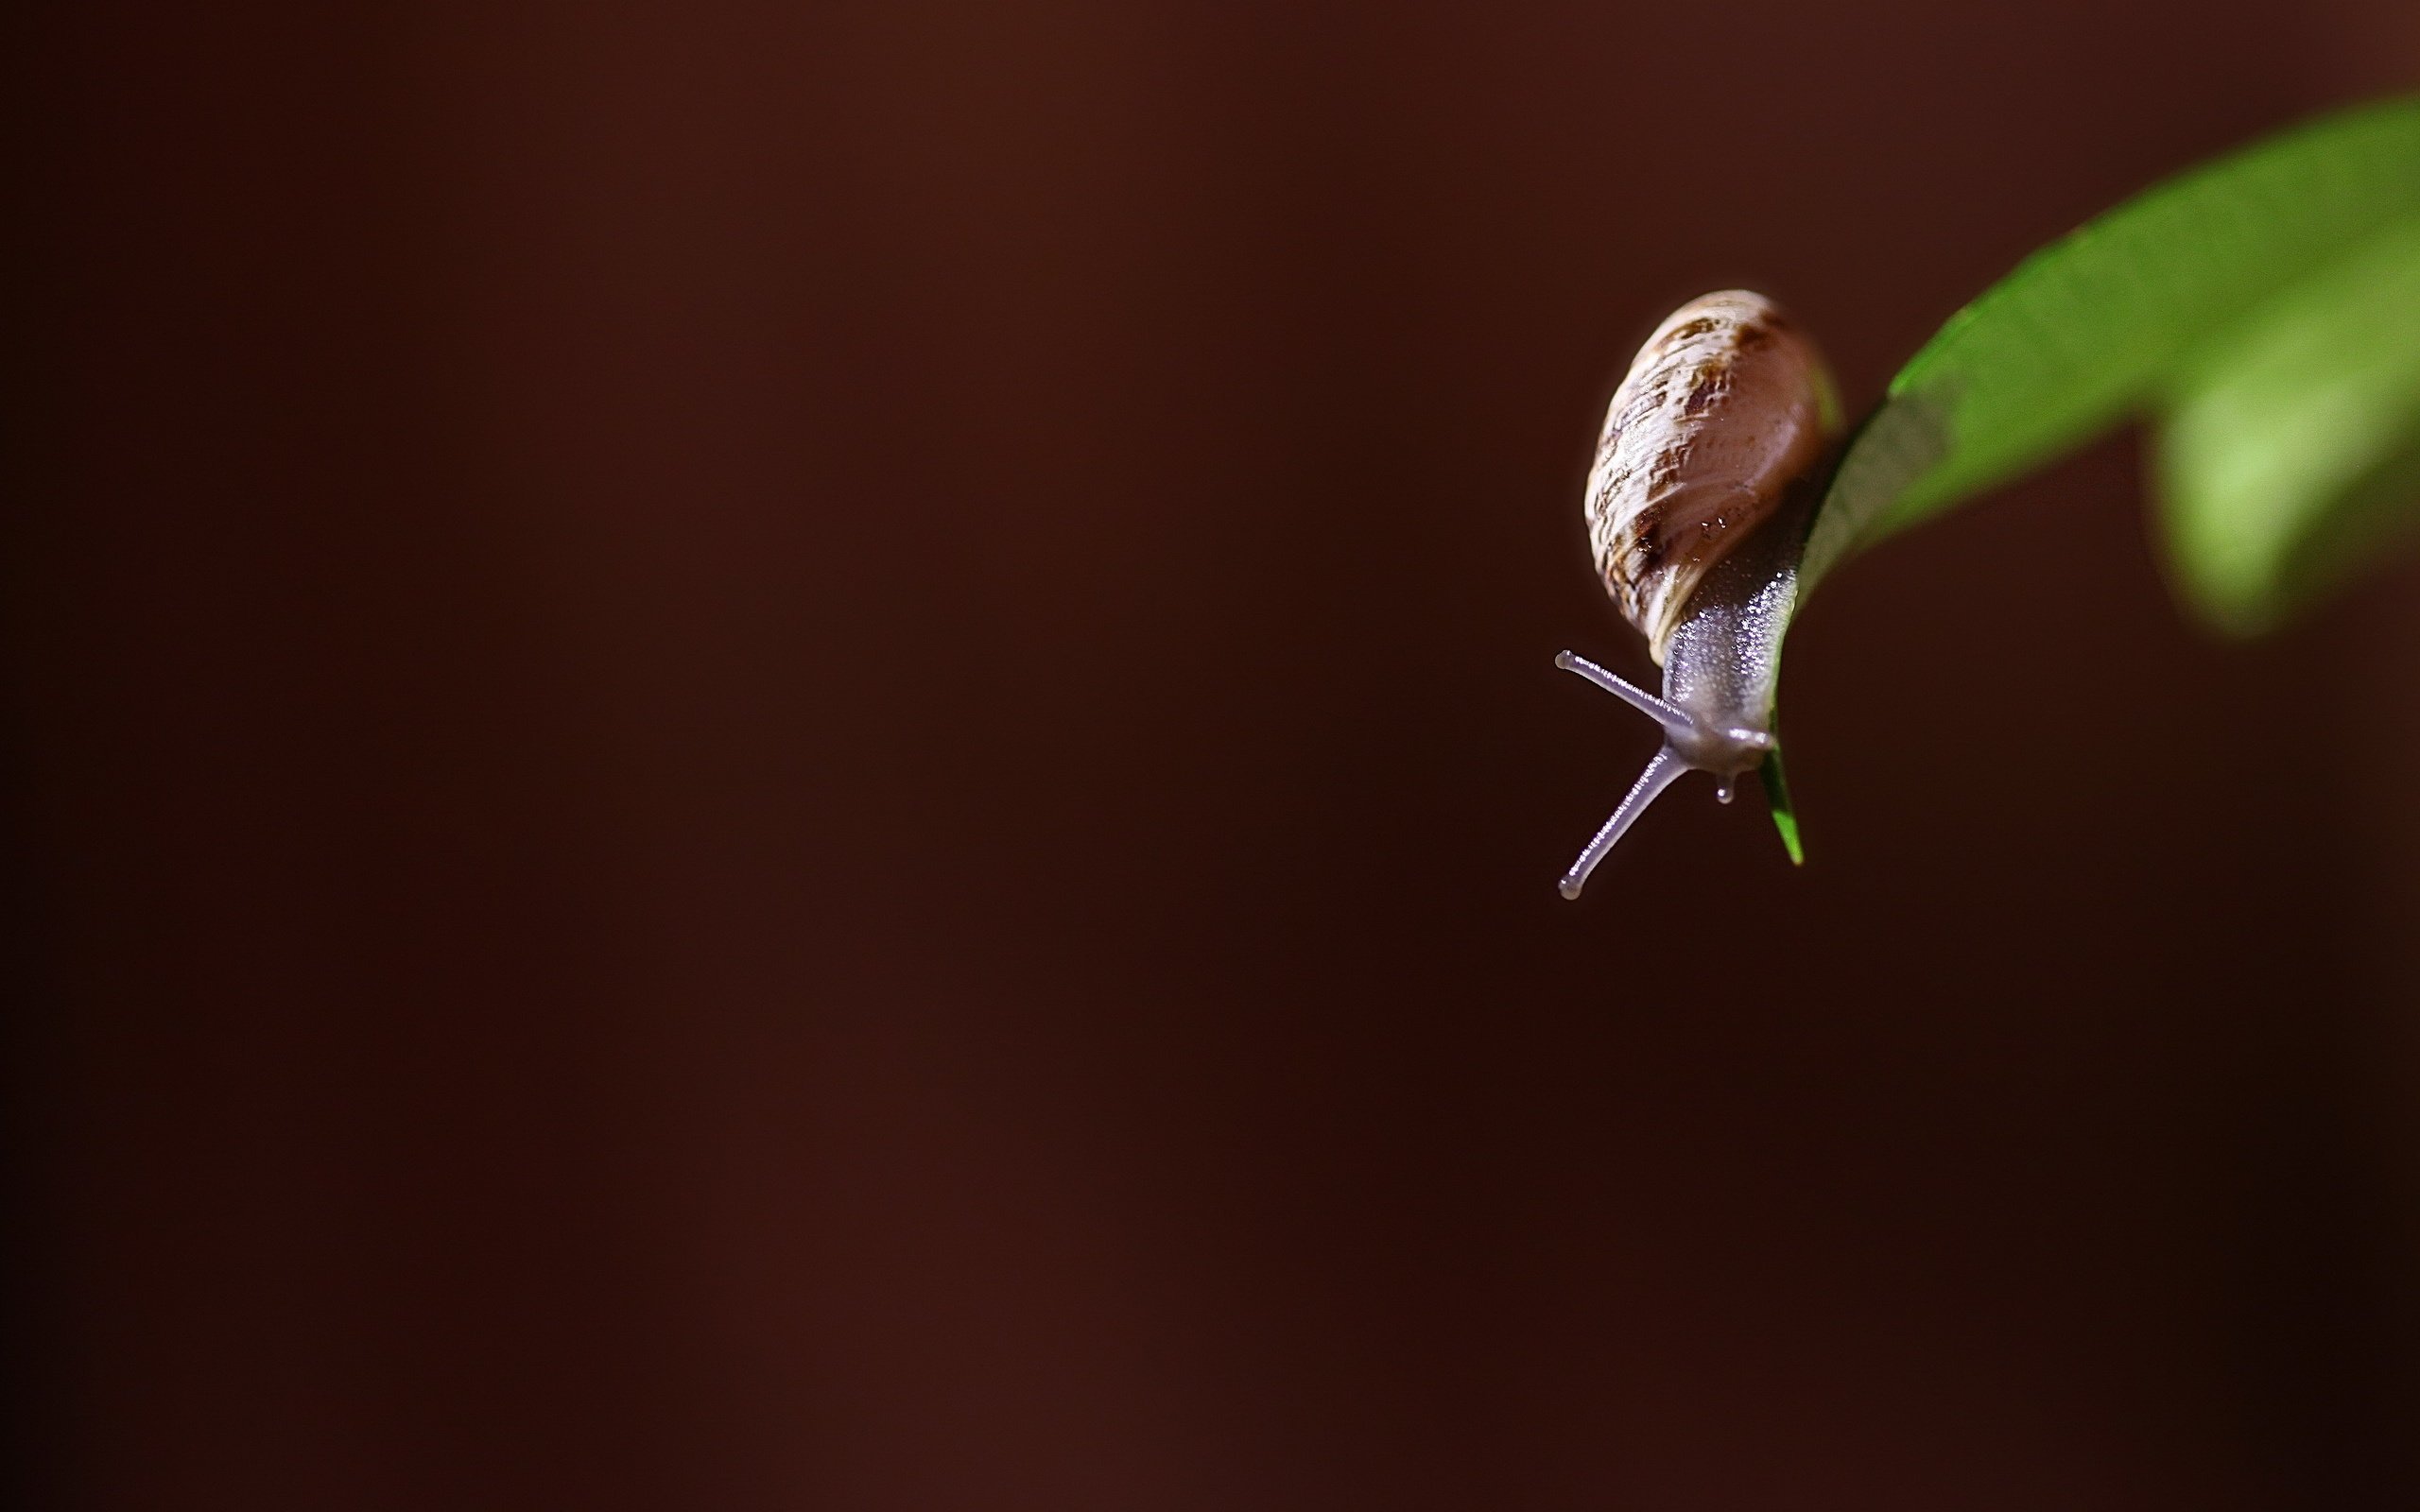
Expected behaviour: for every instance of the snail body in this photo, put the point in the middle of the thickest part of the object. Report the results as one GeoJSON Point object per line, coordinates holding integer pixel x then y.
{"type": "Point", "coordinates": [1714, 451]}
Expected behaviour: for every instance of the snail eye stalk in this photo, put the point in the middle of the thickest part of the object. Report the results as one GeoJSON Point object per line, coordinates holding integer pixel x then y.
{"type": "Point", "coordinates": [1668, 715]}
{"type": "Point", "coordinates": [1659, 775]}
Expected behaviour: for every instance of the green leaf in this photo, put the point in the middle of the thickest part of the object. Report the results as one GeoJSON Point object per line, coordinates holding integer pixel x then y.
{"type": "Point", "coordinates": [2291, 440]}
{"type": "Point", "coordinates": [2265, 305]}
{"type": "Point", "coordinates": [2098, 327]}
{"type": "Point", "coordinates": [1785, 816]}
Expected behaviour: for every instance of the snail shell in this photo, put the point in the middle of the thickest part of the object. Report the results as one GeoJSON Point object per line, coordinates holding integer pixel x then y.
{"type": "Point", "coordinates": [1724, 410]}
{"type": "Point", "coordinates": [1715, 446]}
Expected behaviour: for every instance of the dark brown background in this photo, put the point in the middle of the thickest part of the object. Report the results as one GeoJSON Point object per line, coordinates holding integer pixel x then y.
{"type": "Point", "coordinates": [802, 755]}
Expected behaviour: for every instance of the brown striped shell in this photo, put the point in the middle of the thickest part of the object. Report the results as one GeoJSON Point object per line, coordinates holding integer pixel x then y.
{"type": "Point", "coordinates": [1726, 407]}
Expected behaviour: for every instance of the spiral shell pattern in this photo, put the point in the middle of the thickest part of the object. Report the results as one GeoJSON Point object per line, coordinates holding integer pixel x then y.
{"type": "Point", "coordinates": [1725, 409]}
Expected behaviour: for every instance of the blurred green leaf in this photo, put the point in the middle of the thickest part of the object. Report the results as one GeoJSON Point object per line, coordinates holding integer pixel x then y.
{"type": "Point", "coordinates": [2190, 289]}
{"type": "Point", "coordinates": [2292, 440]}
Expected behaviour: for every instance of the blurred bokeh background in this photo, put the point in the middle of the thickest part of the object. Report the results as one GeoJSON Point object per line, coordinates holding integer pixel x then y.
{"type": "Point", "coordinates": [803, 755]}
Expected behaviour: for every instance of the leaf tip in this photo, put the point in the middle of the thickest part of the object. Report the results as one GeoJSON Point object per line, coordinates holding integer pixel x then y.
{"type": "Point", "coordinates": [1784, 818]}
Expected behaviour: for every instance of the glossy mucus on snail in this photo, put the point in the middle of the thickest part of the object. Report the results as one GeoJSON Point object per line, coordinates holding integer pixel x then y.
{"type": "Point", "coordinates": [1713, 455]}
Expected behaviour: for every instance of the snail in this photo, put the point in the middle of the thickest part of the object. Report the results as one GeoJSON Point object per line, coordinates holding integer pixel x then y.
{"type": "Point", "coordinates": [1714, 452]}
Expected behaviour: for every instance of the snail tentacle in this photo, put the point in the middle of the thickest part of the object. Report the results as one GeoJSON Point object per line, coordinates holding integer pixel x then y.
{"type": "Point", "coordinates": [1660, 774]}
{"type": "Point", "coordinates": [1668, 715]}
{"type": "Point", "coordinates": [1691, 743]}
